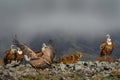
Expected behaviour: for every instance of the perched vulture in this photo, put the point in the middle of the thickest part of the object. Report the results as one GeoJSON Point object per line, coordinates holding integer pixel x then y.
{"type": "Point", "coordinates": [106, 47]}
{"type": "Point", "coordinates": [14, 54]}
{"type": "Point", "coordinates": [66, 59]}
{"type": "Point", "coordinates": [39, 60]}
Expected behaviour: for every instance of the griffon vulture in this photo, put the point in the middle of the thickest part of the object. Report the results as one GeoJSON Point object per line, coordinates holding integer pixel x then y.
{"type": "Point", "coordinates": [106, 47]}
{"type": "Point", "coordinates": [14, 54]}
{"type": "Point", "coordinates": [41, 59]}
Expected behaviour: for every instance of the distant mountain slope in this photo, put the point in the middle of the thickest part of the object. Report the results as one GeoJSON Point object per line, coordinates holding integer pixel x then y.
{"type": "Point", "coordinates": [66, 44]}
{"type": "Point", "coordinates": [69, 45]}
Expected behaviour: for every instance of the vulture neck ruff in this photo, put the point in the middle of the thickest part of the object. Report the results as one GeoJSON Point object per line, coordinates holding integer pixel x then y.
{"type": "Point", "coordinates": [109, 41]}
{"type": "Point", "coordinates": [19, 52]}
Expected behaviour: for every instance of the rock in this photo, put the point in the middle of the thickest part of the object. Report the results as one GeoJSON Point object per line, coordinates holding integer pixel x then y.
{"type": "Point", "coordinates": [62, 66]}
{"type": "Point", "coordinates": [28, 66]}
{"type": "Point", "coordinates": [5, 73]}
{"type": "Point", "coordinates": [78, 67]}
{"type": "Point", "coordinates": [1, 67]}
{"type": "Point", "coordinates": [84, 70]}
{"type": "Point", "coordinates": [70, 65]}
{"type": "Point", "coordinates": [106, 73]}
{"type": "Point", "coordinates": [11, 69]}
{"type": "Point", "coordinates": [12, 64]}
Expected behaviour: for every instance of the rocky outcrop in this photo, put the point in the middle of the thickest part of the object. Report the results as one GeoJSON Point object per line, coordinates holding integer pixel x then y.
{"type": "Point", "coordinates": [80, 71]}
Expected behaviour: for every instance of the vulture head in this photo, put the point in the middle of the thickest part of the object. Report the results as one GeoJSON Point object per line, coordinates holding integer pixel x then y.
{"type": "Point", "coordinates": [109, 42]}
{"type": "Point", "coordinates": [44, 46]}
{"type": "Point", "coordinates": [13, 49]}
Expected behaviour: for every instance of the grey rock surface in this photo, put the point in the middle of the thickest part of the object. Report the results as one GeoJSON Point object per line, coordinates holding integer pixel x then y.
{"type": "Point", "coordinates": [80, 71]}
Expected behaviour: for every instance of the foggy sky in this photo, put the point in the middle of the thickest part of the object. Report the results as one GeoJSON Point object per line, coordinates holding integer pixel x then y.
{"type": "Point", "coordinates": [27, 18]}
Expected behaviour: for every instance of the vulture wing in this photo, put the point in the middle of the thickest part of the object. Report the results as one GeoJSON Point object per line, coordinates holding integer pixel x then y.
{"type": "Point", "coordinates": [24, 48]}
{"type": "Point", "coordinates": [106, 49]}
{"type": "Point", "coordinates": [39, 63]}
{"type": "Point", "coordinates": [8, 57]}
{"type": "Point", "coordinates": [52, 44]}
{"type": "Point", "coordinates": [102, 46]}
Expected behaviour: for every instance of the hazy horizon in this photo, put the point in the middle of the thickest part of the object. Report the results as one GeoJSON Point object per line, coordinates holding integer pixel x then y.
{"type": "Point", "coordinates": [87, 19]}
{"type": "Point", "coordinates": [28, 18]}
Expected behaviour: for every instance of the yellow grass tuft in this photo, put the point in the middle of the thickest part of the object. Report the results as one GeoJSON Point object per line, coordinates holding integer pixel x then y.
{"type": "Point", "coordinates": [106, 59]}
{"type": "Point", "coordinates": [1, 62]}
{"type": "Point", "coordinates": [115, 72]}
{"type": "Point", "coordinates": [98, 76]}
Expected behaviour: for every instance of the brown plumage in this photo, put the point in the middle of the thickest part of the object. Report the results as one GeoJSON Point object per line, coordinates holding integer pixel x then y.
{"type": "Point", "coordinates": [38, 60]}
{"type": "Point", "coordinates": [13, 55]}
{"type": "Point", "coordinates": [66, 59]}
{"type": "Point", "coordinates": [106, 47]}
{"type": "Point", "coordinates": [39, 54]}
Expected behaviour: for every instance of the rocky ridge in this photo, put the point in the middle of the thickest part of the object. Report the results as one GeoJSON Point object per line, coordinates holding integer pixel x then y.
{"type": "Point", "coordinates": [83, 70]}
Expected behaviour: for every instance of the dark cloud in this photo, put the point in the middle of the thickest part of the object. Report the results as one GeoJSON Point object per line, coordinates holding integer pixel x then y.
{"type": "Point", "coordinates": [28, 18]}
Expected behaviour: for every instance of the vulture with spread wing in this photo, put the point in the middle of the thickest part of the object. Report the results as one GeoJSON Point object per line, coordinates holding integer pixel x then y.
{"type": "Point", "coordinates": [106, 47]}
{"type": "Point", "coordinates": [39, 60]}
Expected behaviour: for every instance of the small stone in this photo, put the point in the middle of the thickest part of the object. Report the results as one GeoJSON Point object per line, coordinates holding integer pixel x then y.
{"type": "Point", "coordinates": [1, 67]}
{"type": "Point", "coordinates": [28, 65]}
{"type": "Point", "coordinates": [78, 67]}
{"type": "Point", "coordinates": [5, 73]}
{"type": "Point", "coordinates": [12, 69]}
{"type": "Point", "coordinates": [62, 66]}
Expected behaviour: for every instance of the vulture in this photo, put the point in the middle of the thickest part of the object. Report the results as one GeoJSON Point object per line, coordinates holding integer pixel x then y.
{"type": "Point", "coordinates": [106, 47]}
{"type": "Point", "coordinates": [39, 60]}
{"type": "Point", "coordinates": [13, 54]}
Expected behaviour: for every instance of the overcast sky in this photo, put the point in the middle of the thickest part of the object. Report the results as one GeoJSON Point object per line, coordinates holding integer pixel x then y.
{"type": "Point", "coordinates": [30, 17]}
